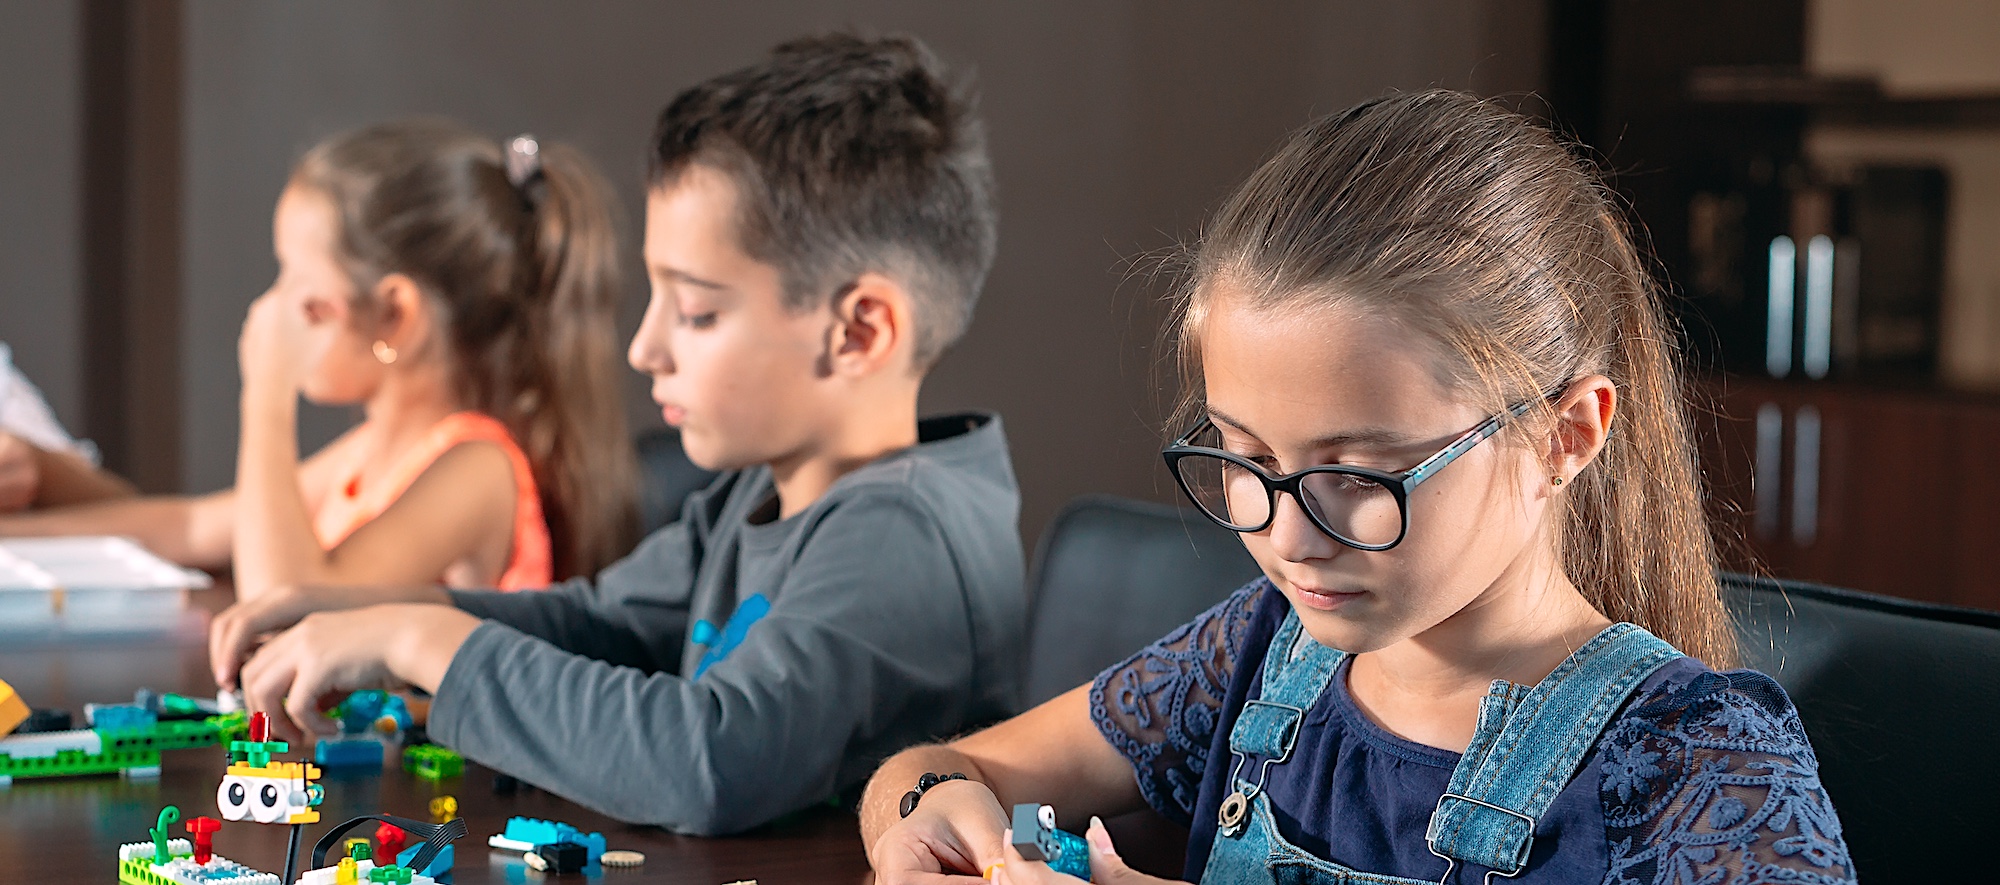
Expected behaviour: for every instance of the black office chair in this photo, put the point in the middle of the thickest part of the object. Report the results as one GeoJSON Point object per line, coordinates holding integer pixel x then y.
{"type": "Point", "coordinates": [666, 477]}
{"type": "Point", "coordinates": [1902, 702]}
{"type": "Point", "coordinates": [1111, 575]}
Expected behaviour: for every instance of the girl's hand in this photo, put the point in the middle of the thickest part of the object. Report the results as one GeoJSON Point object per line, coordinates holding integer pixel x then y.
{"type": "Point", "coordinates": [271, 350]}
{"type": "Point", "coordinates": [20, 473]}
{"type": "Point", "coordinates": [952, 837]}
{"type": "Point", "coordinates": [307, 668]}
{"type": "Point", "coordinates": [1106, 867]}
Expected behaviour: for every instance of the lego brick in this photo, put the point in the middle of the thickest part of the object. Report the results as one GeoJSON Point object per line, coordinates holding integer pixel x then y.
{"type": "Point", "coordinates": [348, 752]}
{"type": "Point", "coordinates": [114, 716]}
{"type": "Point", "coordinates": [526, 833]}
{"type": "Point", "coordinates": [77, 752]}
{"type": "Point", "coordinates": [13, 710]}
{"type": "Point", "coordinates": [27, 746]}
{"type": "Point", "coordinates": [439, 865]}
{"type": "Point", "coordinates": [432, 762]}
{"type": "Point", "coordinates": [46, 720]}
{"type": "Point", "coordinates": [563, 857]}
{"type": "Point", "coordinates": [1036, 838]}
{"type": "Point", "coordinates": [136, 867]}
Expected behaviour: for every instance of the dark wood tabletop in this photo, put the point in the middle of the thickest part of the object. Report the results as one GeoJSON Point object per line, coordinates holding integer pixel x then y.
{"type": "Point", "coordinates": [64, 830]}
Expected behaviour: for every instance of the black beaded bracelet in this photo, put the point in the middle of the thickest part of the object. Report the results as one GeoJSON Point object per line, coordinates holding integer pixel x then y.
{"type": "Point", "coordinates": [929, 780]}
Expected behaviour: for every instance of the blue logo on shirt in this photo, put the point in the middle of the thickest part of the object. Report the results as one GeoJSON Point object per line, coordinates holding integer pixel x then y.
{"type": "Point", "coordinates": [721, 642]}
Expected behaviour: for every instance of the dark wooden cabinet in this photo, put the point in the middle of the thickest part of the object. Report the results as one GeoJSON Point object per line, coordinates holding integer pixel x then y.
{"type": "Point", "coordinates": [1892, 491]}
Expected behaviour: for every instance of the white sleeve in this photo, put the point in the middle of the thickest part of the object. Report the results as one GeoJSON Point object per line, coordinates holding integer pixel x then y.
{"type": "Point", "coordinates": [25, 414]}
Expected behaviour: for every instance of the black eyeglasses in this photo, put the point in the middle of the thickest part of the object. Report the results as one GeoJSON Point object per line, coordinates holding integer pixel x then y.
{"type": "Point", "coordinates": [1362, 508]}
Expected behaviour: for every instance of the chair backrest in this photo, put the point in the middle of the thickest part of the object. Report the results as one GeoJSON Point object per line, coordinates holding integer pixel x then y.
{"type": "Point", "coordinates": [1111, 575]}
{"type": "Point", "coordinates": [666, 477]}
{"type": "Point", "coordinates": [1902, 702]}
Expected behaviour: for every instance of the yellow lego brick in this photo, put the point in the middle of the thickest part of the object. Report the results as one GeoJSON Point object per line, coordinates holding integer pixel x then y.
{"type": "Point", "coordinates": [13, 710]}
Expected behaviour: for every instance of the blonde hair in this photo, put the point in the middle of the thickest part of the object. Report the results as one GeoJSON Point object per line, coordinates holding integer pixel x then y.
{"type": "Point", "coordinates": [1474, 225]}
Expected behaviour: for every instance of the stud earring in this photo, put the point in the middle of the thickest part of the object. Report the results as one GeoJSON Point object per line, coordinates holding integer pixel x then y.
{"type": "Point", "coordinates": [384, 353]}
{"type": "Point", "coordinates": [1556, 480]}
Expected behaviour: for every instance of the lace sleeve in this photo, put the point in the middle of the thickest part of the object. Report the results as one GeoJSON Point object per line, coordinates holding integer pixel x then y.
{"type": "Point", "coordinates": [1159, 707]}
{"type": "Point", "coordinates": [1714, 781]}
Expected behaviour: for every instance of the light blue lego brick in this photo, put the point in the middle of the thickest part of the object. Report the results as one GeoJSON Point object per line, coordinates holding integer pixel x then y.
{"type": "Point", "coordinates": [535, 831]}
{"type": "Point", "coordinates": [348, 753]}
{"type": "Point", "coordinates": [440, 865]}
{"type": "Point", "coordinates": [116, 716]}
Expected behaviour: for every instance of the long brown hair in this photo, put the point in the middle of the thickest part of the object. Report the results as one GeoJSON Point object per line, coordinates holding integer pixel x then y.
{"type": "Point", "coordinates": [526, 284]}
{"type": "Point", "coordinates": [1474, 225]}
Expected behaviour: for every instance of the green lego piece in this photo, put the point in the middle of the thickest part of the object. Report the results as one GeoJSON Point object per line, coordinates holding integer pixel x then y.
{"type": "Point", "coordinates": [168, 815]}
{"type": "Point", "coordinates": [395, 874]}
{"type": "Point", "coordinates": [230, 727]}
{"type": "Point", "coordinates": [122, 750]}
{"type": "Point", "coordinates": [358, 849]}
{"type": "Point", "coordinates": [257, 753]}
{"type": "Point", "coordinates": [432, 762]}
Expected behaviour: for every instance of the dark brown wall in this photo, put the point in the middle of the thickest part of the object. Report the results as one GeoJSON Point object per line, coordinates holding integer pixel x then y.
{"type": "Point", "coordinates": [1115, 125]}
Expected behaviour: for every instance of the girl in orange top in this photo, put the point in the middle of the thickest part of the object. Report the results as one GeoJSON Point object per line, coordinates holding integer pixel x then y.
{"type": "Point", "coordinates": [462, 292]}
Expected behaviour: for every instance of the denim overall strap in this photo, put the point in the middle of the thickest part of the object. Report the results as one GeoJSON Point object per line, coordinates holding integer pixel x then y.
{"type": "Point", "coordinates": [1530, 744]}
{"type": "Point", "coordinates": [1296, 669]}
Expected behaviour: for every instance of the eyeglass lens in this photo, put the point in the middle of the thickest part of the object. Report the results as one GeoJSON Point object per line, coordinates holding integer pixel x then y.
{"type": "Point", "coordinates": [1356, 508]}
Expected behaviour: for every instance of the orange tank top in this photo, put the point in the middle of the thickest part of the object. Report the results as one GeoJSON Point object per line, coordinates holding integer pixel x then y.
{"type": "Point", "coordinates": [348, 506]}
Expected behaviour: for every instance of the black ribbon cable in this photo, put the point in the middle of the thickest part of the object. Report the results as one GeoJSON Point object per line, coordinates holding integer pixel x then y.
{"type": "Point", "coordinates": [436, 838]}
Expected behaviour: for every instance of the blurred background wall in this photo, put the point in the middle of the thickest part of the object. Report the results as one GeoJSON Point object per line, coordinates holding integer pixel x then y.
{"type": "Point", "coordinates": [1114, 124]}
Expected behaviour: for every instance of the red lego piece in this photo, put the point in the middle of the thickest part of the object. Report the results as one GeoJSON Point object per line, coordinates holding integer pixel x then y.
{"type": "Point", "coordinates": [391, 839]}
{"type": "Point", "coordinates": [260, 727]}
{"type": "Point", "coordinates": [203, 829]}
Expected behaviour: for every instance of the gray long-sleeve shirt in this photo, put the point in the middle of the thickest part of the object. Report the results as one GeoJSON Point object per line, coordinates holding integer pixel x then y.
{"type": "Point", "coordinates": [897, 615]}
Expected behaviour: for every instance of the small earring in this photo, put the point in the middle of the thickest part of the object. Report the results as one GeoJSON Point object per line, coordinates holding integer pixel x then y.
{"type": "Point", "coordinates": [384, 353]}
{"type": "Point", "coordinates": [1556, 480]}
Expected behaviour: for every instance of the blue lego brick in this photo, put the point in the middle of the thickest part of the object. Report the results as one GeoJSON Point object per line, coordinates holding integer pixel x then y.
{"type": "Point", "coordinates": [525, 833]}
{"type": "Point", "coordinates": [120, 716]}
{"type": "Point", "coordinates": [348, 753]}
{"type": "Point", "coordinates": [1036, 838]}
{"type": "Point", "coordinates": [439, 865]}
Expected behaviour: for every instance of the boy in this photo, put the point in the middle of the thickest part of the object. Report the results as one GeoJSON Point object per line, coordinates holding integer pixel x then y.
{"type": "Point", "coordinates": [817, 230]}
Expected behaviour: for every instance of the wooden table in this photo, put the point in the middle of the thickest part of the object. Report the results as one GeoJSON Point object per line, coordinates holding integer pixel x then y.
{"type": "Point", "coordinates": [63, 830]}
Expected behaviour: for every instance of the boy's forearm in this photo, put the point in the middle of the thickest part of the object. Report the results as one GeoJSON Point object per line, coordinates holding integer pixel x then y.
{"type": "Point", "coordinates": [427, 637]}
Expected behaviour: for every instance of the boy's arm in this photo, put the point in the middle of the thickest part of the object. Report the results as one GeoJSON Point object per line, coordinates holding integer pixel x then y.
{"type": "Point", "coordinates": [867, 648]}
{"type": "Point", "coordinates": [634, 613]}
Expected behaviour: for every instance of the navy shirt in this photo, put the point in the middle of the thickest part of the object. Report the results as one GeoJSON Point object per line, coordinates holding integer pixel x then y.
{"type": "Point", "coordinates": [1703, 777]}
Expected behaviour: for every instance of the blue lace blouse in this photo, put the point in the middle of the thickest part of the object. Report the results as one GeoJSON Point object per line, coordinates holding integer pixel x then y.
{"type": "Point", "coordinates": [1704, 778]}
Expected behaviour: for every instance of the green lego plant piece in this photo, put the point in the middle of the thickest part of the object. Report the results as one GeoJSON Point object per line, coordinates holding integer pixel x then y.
{"type": "Point", "coordinates": [358, 850]}
{"type": "Point", "coordinates": [168, 815]}
{"type": "Point", "coordinates": [432, 762]}
{"type": "Point", "coordinates": [257, 754]}
{"type": "Point", "coordinates": [393, 874]}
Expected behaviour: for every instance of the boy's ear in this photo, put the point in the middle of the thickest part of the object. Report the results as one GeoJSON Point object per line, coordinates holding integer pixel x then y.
{"type": "Point", "coordinates": [1583, 423]}
{"type": "Point", "coordinates": [871, 325]}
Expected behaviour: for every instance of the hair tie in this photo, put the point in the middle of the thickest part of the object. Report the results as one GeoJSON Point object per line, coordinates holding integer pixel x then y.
{"type": "Point", "coordinates": [524, 166]}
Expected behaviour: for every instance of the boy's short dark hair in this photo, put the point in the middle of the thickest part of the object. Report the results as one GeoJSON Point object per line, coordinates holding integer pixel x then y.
{"type": "Point", "coordinates": [849, 155]}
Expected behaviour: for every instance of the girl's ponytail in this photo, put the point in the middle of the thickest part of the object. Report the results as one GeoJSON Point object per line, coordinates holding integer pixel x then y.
{"type": "Point", "coordinates": [567, 413]}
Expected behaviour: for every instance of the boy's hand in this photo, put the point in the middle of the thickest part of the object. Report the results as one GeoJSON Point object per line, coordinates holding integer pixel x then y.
{"type": "Point", "coordinates": [952, 837]}
{"type": "Point", "coordinates": [304, 670]}
{"type": "Point", "coordinates": [1106, 867]}
{"type": "Point", "coordinates": [233, 632]}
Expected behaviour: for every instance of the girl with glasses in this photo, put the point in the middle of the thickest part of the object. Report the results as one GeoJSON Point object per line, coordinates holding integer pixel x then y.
{"type": "Point", "coordinates": [1432, 386]}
